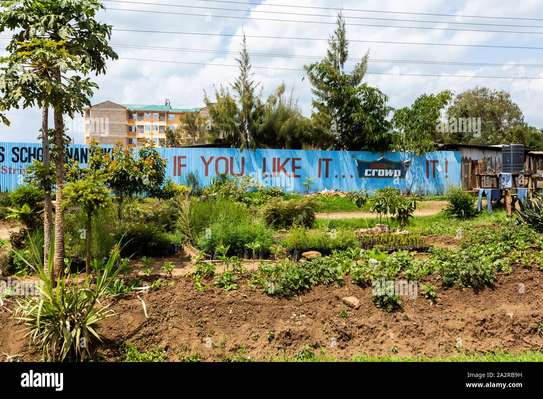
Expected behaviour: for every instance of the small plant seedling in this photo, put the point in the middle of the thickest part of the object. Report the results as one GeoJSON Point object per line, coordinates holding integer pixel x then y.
{"type": "Point", "coordinates": [344, 314]}
{"type": "Point", "coordinates": [428, 291]}
{"type": "Point", "coordinates": [147, 266]}
{"type": "Point", "coordinates": [168, 267]}
{"type": "Point", "coordinates": [270, 335]}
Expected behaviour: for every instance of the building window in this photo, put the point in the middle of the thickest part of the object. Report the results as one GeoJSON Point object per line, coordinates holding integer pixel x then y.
{"type": "Point", "coordinates": [147, 128]}
{"type": "Point", "coordinates": [131, 141]}
{"type": "Point", "coordinates": [155, 115]}
{"type": "Point", "coordinates": [141, 130]}
{"type": "Point", "coordinates": [147, 115]}
{"type": "Point", "coordinates": [131, 128]}
{"type": "Point", "coordinates": [162, 117]}
{"type": "Point", "coordinates": [171, 117]}
{"type": "Point", "coordinates": [140, 116]}
{"type": "Point", "coordinates": [162, 129]}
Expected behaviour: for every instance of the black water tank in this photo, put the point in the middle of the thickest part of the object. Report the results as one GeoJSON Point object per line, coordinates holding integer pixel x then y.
{"type": "Point", "coordinates": [513, 157]}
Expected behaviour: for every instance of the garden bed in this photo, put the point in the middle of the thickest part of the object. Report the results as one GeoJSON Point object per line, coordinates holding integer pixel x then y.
{"type": "Point", "coordinates": [246, 324]}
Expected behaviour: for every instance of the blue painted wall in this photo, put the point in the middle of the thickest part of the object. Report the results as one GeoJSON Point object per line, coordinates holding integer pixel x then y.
{"type": "Point", "coordinates": [432, 173]}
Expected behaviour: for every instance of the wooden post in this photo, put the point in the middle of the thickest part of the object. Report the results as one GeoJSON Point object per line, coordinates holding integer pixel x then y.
{"type": "Point", "coordinates": [509, 203]}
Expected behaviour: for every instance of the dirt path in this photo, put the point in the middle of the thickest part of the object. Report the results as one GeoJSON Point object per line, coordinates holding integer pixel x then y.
{"type": "Point", "coordinates": [425, 208]}
{"type": "Point", "coordinates": [6, 229]}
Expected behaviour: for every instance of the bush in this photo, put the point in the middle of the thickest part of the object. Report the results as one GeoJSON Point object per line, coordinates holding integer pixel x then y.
{"type": "Point", "coordinates": [237, 237]}
{"type": "Point", "coordinates": [300, 240]}
{"type": "Point", "coordinates": [163, 214]}
{"type": "Point", "coordinates": [531, 213]}
{"type": "Point", "coordinates": [173, 190]}
{"type": "Point", "coordinates": [29, 195]}
{"type": "Point", "coordinates": [104, 237]}
{"type": "Point", "coordinates": [294, 212]}
{"type": "Point", "coordinates": [389, 202]}
{"type": "Point", "coordinates": [146, 240]}
{"type": "Point", "coordinates": [461, 204]}
{"type": "Point", "coordinates": [5, 203]}
{"type": "Point", "coordinates": [205, 213]}
{"type": "Point", "coordinates": [63, 320]}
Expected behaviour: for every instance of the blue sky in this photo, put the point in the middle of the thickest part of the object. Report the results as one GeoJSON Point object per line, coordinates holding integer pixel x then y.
{"type": "Point", "coordinates": [129, 81]}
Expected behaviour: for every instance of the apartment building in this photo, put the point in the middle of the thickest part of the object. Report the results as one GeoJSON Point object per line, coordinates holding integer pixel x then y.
{"type": "Point", "coordinates": [133, 125]}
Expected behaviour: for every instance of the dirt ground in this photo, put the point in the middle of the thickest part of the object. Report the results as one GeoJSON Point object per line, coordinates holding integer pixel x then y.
{"type": "Point", "coordinates": [424, 208]}
{"type": "Point", "coordinates": [217, 325]}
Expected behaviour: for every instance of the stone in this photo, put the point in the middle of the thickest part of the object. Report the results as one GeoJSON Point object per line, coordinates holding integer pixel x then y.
{"type": "Point", "coordinates": [351, 301]}
{"type": "Point", "coordinates": [311, 255]}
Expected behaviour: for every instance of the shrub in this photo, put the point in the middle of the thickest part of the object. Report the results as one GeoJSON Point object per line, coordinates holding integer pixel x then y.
{"type": "Point", "coordinates": [146, 240]}
{"type": "Point", "coordinates": [172, 190]}
{"type": "Point", "coordinates": [359, 198]}
{"type": "Point", "coordinates": [531, 213]}
{"type": "Point", "coordinates": [28, 194]}
{"type": "Point", "coordinates": [163, 214]}
{"type": "Point", "coordinates": [63, 320]}
{"type": "Point", "coordinates": [27, 204]}
{"type": "Point", "coordinates": [389, 202]}
{"type": "Point", "coordinates": [294, 212]}
{"type": "Point", "coordinates": [205, 213]}
{"type": "Point", "coordinates": [384, 201]}
{"type": "Point", "coordinates": [5, 203]}
{"type": "Point", "coordinates": [461, 204]}
{"type": "Point", "coordinates": [237, 236]}
{"type": "Point", "coordinates": [299, 240]}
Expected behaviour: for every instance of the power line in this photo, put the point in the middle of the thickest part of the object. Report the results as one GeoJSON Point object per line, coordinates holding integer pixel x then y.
{"type": "Point", "coordinates": [315, 15]}
{"type": "Point", "coordinates": [258, 53]}
{"type": "Point", "coordinates": [323, 39]}
{"type": "Point", "coordinates": [368, 73]}
{"type": "Point", "coordinates": [358, 10]}
{"type": "Point", "coordinates": [323, 22]}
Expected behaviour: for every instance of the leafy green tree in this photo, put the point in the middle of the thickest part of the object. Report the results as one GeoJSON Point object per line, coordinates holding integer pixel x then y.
{"type": "Point", "coordinates": [530, 136]}
{"type": "Point", "coordinates": [90, 194]}
{"type": "Point", "coordinates": [416, 126]}
{"type": "Point", "coordinates": [124, 175]}
{"type": "Point", "coordinates": [76, 45]}
{"type": "Point", "coordinates": [235, 117]}
{"type": "Point", "coordinates": [349, 112]}
{"type": "Point", "coordinates": [496, 109]}
{"type": "Point", "coordinates": [153, 170]}
{"type": "Point", "coordinates": [282, 124]}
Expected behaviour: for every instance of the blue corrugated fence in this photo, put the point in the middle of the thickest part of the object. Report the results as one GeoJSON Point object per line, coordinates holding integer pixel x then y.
{"type": "Point", "coordinates": [293, 170]}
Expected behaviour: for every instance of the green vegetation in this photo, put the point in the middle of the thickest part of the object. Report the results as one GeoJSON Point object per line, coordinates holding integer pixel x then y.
{"type": "Point", "coordinates": [130, 353]}
{"type": "Point", "coordinates": [288, 213]}
{"type": "Point", "coordinates": [461, 204]}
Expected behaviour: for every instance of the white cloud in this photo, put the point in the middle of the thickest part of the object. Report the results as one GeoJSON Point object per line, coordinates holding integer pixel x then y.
{"type": "Point", "coordinates": [151, 82]}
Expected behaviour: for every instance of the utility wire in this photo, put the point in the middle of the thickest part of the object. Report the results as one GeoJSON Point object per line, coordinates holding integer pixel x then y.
{"type": "Point", "coordinates": [368, 73]}
{"type": "Point", "coordinates": [539, 19]}
{"type": "Point", "coordinates": [496, 46]}
{"type": "Point", "coordinates": [258, 53]}
{"type": "Point", "coordinates": [323, 22]}
{"type": "Point", "coordinates": [318, 15]}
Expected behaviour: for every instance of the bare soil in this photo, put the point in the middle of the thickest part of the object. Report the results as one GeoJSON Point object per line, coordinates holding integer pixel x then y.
{"type": "Point", "coordinates": [217, 325]}
{"type": "Point", "coordinates": [424, 208]}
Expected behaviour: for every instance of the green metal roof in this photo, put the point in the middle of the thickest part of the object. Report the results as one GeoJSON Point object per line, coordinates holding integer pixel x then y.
{"type": "Point", "coordinates": [158, 108]}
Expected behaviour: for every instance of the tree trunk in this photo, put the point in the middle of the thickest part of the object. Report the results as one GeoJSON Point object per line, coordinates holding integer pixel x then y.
{"type": "Point", "coordinates": [58, 260]}
{"type": "Point", "coordinates": [47, 204]}
{"type": "Point", "coordinates": [88, 242]}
